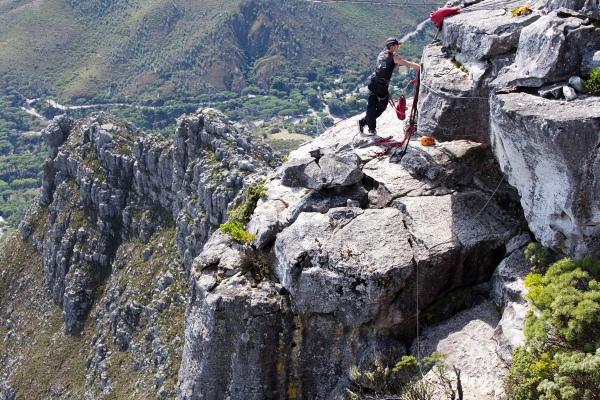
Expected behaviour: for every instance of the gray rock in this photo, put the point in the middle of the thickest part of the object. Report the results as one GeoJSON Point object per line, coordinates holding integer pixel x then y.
{"type": "Point", "coordinates": [484, 34]}
{"type": "Point", "coordinates": [302, 172]}
{"type": "Point", "coordinates": [582, 8]}
{"type": "Point", "coordinates": [4, 274]}
{"type": "Point", "coordinates": [451, 105]}
{"type": "Point", "coordinates": [543, 149]}
{"type": "Point", "coordinates": [577, 83]}
{"type": "Point", "coordinates": [323, 261]}
{"type": "Point", "coordinates": [164, 281]}
{"type": "Point", "coordinates": [146, 253]}
{"type": "Point", "coordinates": [509, 332]}
{"type": "Point", "coordinates": [467, 340]}
{"type": "Point", "coordinates": [589, 61]}
{"type": "Point", "coordinates": [517, 243]}
{"type": "Point", "coordinates": [507, 282]}
{"type": "Point", "coordinates": [554, 90]}
{"type": "Point", "coordinates": [327, 168]}
{"type": "Point", "coordinates": [423, 171]}
{"type": "Point", "coordinates": [569, 93]}
{"type": "Point", "coordinates": [552, 47]}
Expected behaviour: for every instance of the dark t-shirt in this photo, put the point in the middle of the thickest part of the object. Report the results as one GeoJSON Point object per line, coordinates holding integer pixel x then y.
{"type": "Point", "coordinates": [385, 65]}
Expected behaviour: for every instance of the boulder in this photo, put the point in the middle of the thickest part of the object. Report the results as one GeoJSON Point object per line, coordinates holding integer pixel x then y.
{"type": "Point", "coordinates": [451, 105]}
{"type": "Point", "coordinates": [303, 172]}
{"type": "Point", "coordinates": [577, 83]}
{"type": "Point", "coordinates": [424, 171]}
{"type": "Point", "coordinates": [590, 61]}
{"type": "Point", "coordinates": [327, 262]}
{"type": "Point", "coordinates": [326, 168]}
{"type": "Point", "coordinates": [543, 147]}
{"type": "Point", "coordinates": [569, 93]}
{"type": "Point", "coordinates": [509, 331]}
{"type": "Point", "coordinates": [483, 34]}
{"type": "Point", "coordinates": [467, 340]}
{"type": "Point", "coordinates": [552, 48]}
{"type": "Point", "coordinates": [507, 282]}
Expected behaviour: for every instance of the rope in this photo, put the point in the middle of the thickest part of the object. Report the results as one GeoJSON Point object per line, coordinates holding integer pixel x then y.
{"type": "Point", "coordinates": [451, 96]}
{"type": "Point", "coordinates": [455, 235]}
{"type": "Point", "coordinates": [439, 244]}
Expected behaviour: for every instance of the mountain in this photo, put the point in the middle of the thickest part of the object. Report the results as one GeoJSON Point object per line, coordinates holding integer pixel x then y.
{"type": "Point", "coordinates": [107, 49]}
{"type": "Point", "coordinates": [207, 266]}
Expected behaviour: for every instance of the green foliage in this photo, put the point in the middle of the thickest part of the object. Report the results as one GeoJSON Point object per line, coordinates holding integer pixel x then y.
{"type": "Point", "coordinates": [537, 255]}
{"type": "Point", "coordinates": [459, 65]}
{"type": "Point", "coordinates": [382, 379]}
{"type": "Point", "coordinates": [241, 215]}
{"type": "Point", "coordinates": [568, 297]}
{"type": "Point", "coordinates": [235, 229]}
{"type": "Point", "coordinates": [592, 85]}
{"type": "Point", "coordinates": [561, 357]}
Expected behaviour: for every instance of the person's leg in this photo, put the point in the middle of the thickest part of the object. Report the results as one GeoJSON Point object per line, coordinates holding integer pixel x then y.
{"type": "Point", "coordinates": [381, 105]}
{"type": "Point", "coordinates": [371, 111]}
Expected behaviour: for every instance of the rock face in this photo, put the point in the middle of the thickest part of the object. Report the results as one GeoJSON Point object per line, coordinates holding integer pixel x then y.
{"type": "Point", "coordinates": [104, 183]}
{"type": "Point", "coordinates": [550, 155]}
{"type": "Point", "coordinates": [334, 270]}
{"type": "Point", "coordinates": [546, 147]}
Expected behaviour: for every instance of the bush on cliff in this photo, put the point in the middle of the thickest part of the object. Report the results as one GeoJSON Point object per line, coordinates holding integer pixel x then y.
{"type": "Point", "coordinates": [384, 380]}
{"type": "Point", "coordinates": [561, 356]}
{"type": "Point", "coordinates": [239, 217]}
{"type": "Point", "coordinates": [592, 85]}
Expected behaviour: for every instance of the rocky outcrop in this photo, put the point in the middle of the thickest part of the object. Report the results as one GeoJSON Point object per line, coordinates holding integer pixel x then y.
{"type": "Point", "coordinates": [334, 270]}
{"type": "Point", "coordinates": [105, 183]}
{"type": "Point", "coordinates": [549, 152]}
{"type": "Point", "coordinates": [542, 142]}
{"type": "Point", "coordinates": [467, 340]}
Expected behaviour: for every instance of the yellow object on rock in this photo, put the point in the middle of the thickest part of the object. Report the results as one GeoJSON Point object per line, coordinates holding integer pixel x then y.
{"type": "Point", "coordinates": [520, 11]}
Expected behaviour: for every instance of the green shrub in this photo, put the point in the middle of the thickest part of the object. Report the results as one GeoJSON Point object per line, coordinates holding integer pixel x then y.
{"type": "Point", "coordinates": [235, 229]}
{"type": "Point", "coordinates": [592, 85]}
{"type": "Point", "coordinates": [561, 356]}
{"type": "Point", "coordinates": [241, 215]}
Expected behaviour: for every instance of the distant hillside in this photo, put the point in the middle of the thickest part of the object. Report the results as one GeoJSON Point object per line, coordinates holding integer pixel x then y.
{"type": "Point", "coordinates": [94, 50]}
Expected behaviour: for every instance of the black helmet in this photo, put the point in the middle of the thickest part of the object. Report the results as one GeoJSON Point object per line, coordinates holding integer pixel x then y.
{"type": "Point", "coordinates": [391, 41]}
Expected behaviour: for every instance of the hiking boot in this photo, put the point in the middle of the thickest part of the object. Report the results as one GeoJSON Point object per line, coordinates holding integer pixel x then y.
{"type": "Point", "coordinates": [361, 127]}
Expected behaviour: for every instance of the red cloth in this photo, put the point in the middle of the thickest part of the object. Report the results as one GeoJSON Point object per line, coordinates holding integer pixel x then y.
{"type": "Point", "coordinates": [437, 17]}
{"type": "Point", "coordinates": [401, 108]}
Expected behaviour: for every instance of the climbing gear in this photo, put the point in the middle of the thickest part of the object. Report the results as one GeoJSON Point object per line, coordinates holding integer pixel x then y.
{"type": "Point", "coordinates": [427, 141]}
{"type": "Point", "coordinates": [521, 11]}
{"type": "Point", "coordinates": [409, 129]}
{"type": "Point", "coordinates": [437, 17]}
{"type": "Point", "coordinates": [400, 107]}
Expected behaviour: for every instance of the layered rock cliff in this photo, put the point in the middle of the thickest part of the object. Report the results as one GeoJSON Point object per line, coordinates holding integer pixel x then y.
{"type": "Point", "coordinates": [356, 250]}
{"type": "Point", "coordinates": [516, 82]}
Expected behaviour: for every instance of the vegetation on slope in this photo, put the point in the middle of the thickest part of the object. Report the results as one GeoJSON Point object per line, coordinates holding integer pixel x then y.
{"type": "Point", "coordinates": [561, 356]}
{"type": "Point", "coordinates": [40, 360]}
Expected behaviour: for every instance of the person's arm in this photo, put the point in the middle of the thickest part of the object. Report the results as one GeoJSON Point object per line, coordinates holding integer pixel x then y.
{"type": "Point", "coordinates": [400, 61]}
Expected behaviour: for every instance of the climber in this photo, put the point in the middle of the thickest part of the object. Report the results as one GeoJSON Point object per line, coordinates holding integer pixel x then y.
{"type": "Point", "coordinates": [377, 102]}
